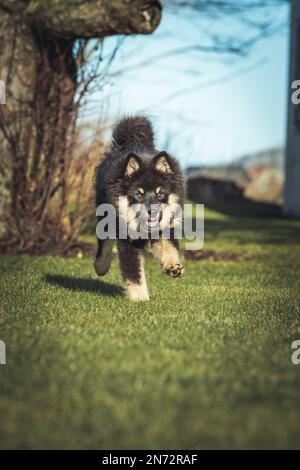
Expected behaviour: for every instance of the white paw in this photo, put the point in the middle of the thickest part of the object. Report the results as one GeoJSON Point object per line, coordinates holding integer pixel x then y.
{"type": "Point", "coordinates": [137, 293]}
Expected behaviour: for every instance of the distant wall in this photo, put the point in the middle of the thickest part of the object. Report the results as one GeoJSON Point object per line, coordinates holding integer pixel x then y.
{"type": "Point", "coordinates": [208, 191]}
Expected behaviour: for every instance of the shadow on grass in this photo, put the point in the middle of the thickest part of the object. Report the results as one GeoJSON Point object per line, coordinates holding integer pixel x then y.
{"type": "Point", "coordinates": [84, 284]}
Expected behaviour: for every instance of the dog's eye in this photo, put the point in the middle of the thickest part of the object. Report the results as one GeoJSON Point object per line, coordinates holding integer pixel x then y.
{"type": "Point", "coordinates": [139, 194]}
{"type": "Point", "coordinates": [160, 194]}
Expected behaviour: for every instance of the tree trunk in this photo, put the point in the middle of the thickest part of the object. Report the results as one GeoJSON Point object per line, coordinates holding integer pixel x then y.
{"type": "Point", "coordinates": [73, 19]}
{"type": "Point", "coordinates": [40, 76]}
{"type": "Point", "coordinates": [39, 70]}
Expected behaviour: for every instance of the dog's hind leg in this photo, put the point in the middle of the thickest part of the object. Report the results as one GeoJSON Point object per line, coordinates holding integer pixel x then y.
{"type": "Point", "coordinates": [103, 256]}
{"type": "Point", "coordinates": [132, 268]}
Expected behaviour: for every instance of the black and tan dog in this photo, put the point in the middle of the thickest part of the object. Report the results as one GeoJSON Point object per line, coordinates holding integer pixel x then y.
{"type": "Point", "coordinates": [133, 169]}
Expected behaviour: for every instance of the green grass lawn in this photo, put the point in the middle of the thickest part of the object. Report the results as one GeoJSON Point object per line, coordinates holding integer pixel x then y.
{"type": "Point", "coordinates": [205, 364]}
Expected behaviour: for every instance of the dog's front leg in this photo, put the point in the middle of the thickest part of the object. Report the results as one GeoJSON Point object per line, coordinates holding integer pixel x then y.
{"type": "Point", "coordinates": [103, 256]}
{"type": "Point", "coordinates": [132, 268]}
{"type": "Point", "coordinates": [166, 252]}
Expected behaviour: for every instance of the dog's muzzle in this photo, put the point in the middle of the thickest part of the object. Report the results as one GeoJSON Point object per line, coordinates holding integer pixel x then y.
{"type": "Point", "coordinates": [154, 216]}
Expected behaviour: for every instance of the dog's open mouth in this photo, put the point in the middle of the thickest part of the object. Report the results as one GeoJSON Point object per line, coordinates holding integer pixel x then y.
{"type": "Point", "coordinates": [154, 219]}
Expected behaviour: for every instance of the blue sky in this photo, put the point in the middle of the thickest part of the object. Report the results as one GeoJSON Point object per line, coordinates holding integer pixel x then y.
{"type": "Point", "coordinates": [234, 105]}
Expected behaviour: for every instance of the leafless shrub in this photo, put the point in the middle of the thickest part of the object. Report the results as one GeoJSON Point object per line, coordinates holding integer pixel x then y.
{"type": "Point", "coordinates": [48, 172]}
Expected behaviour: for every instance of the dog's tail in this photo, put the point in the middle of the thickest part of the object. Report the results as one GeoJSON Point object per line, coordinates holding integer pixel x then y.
{"type": "Point", "coordinates": [132, 132]}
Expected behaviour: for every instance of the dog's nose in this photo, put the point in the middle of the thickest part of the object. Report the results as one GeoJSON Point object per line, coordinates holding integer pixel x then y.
{"type": "Point", "coordinates": [153, 211]}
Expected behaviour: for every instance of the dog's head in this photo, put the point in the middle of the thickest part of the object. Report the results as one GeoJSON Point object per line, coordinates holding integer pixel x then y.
{"type": "Point", "coordinates": [152, 186]}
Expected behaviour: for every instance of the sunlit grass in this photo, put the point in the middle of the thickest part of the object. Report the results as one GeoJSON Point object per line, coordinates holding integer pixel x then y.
{"type": "Point", "coordinates": [206, 363]}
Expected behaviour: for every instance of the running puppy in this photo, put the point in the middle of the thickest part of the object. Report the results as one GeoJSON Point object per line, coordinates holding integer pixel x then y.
{"type": "Point", "coordinates": [149, 181]}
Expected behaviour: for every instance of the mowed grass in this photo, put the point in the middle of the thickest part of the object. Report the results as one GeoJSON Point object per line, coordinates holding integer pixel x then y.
{"type": "Point", "coordinates": [205, 364]}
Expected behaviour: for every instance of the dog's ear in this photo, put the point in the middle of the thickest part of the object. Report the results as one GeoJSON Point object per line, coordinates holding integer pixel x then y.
{"type": "Point", "coordinates": [133, 164]}
{"type": "Point", "coordinates": [162, 163]}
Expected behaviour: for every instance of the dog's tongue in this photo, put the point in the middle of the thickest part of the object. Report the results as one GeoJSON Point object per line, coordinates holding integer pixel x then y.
{"type": "Point", "coordinates": [152, 221]}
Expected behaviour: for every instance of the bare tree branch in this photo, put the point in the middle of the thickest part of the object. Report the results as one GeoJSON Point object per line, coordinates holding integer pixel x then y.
{"type": "Point", "coordinates": [210, 83]}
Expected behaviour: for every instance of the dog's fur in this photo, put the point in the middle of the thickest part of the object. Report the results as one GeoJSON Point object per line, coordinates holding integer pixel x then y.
{"type": "Point", "coordinates": [133, 168]}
